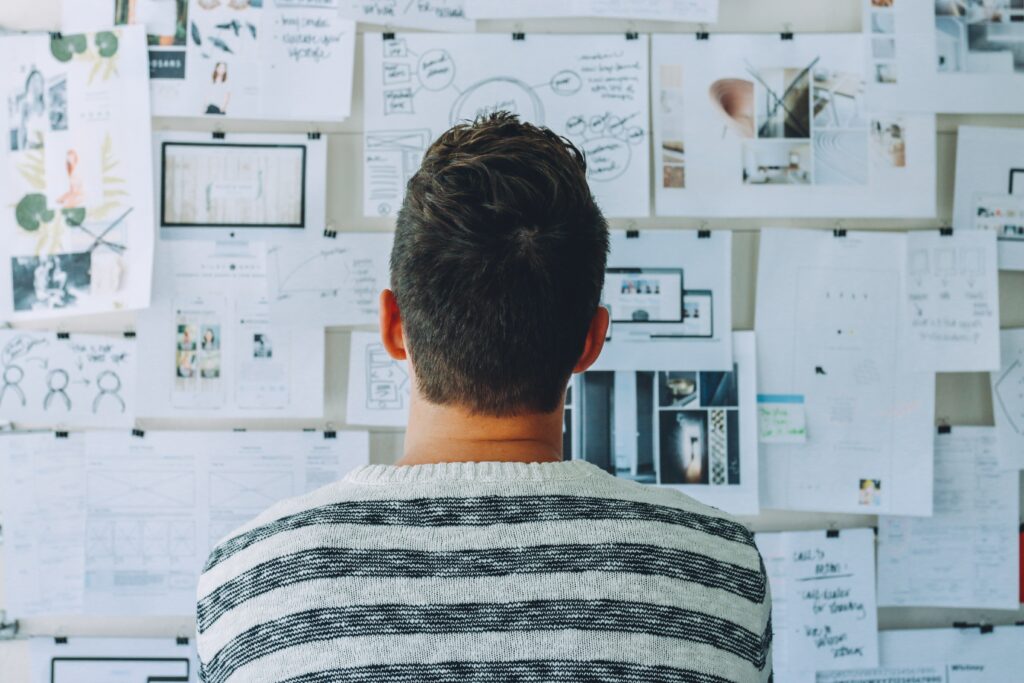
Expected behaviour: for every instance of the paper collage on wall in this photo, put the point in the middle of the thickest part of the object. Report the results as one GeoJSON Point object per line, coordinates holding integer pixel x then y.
{"type": "Point", "coordinates": [81, 380]}
{"type": "Point", "coordinates": [669, 296]}
{"type": "Point", "coordinates": [990, 188]}
{"type": "Point", "coordinates": [689, 429]}
{"type": "Point", "coordinates": [669, 10]}
{"type": "Point", "coordinates": [240, 186]}
{"type": "Point", "coordinates": [214, 351]}
{"type": "Point", "coordinates": [771, 127]}
{"type": "Point", "coordinates": [75, 175]}
{"type": "Point", "coordinates": [831, 331]}
{"type": "Point", "coordinates": [251, 59]}
{"type": "Point", "coordinates": [431, 15]}
{"type": "Point", "coordinates": [328, 278]}
{"type": "Point", "coordinates": [591, 88]}
{"type": "Point", "coordinates": [950, 56]}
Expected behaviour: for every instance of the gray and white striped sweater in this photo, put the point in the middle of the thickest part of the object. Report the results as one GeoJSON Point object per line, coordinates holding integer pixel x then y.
{"type": "Point", "coordinates": [486, 573]}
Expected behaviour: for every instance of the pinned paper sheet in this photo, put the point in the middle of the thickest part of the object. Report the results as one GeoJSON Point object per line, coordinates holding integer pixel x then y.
{"type": "Point", "coordinates": [431, 15]}
{"type": "Point", "coordinates": [952, 301]}
{"type": "Point", "coordinates": [824, 615]}
{"type": "Point", "coordinates": [378, 385]}
{"type": "Point", "coordinates": [1008, 400]}
{"type": "Point", "coordinates": [965, 554]}
{"type": "Point", "coordinates": [113, 660]}
{"type": "Point", "coordinates": [886, 674]}
{"type": "Point", "coordinates": [781, 418]}
{"type": "Point", "coordinates": [705, 11]}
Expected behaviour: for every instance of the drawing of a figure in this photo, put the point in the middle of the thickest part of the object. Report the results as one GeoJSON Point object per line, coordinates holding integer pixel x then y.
{"type": "Point", "coordinates": [57, 382]}
{"type": "Point", "coordinates": [75, 194]}
{"type": "Point", "coordinates": [28, 113]}
{"type": "Point", "coordinates": [218, 95]}
{"type": "Point", "coordinates": [109, 385]}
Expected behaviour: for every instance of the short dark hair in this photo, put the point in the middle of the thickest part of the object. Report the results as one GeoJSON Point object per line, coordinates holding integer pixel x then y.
{"type": "Point", "coordinates": [498, 266]}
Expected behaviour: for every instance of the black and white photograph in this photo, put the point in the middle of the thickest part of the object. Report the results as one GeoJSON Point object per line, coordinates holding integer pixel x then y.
{"type": "Point", "coordinates": [50, 282]}
{"type": "Point", "coordinates": [261, 346]}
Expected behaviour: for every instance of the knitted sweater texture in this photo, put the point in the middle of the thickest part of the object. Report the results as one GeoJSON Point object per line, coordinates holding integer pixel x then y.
{"type": "Point", "coordinates": [486, 573]}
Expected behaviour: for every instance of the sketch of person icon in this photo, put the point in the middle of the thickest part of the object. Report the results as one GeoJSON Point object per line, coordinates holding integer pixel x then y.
{"type": "Point", "coordinates": [57, 381]}
{"type": "Point", "coordinates": [108, 384]}
{"type": "Point", "coordinates": [13, 374]}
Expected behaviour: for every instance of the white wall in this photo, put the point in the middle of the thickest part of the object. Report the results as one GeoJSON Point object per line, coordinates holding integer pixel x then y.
{"type": "Point", "coordinates": [963, 399]}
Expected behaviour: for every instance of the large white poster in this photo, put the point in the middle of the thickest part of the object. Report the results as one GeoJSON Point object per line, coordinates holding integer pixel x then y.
{"type": "Point", "coordinates": [946, 56]}
{"type": "Point", "coordinates": [752, 125]}
{"type": "Point", "coordinates": [990, 188]}
{"type": "Point", "coordinates": [830, 332]}
{"type": "Point", "coordinates": [76, 203]}
{"type": "Point", "coordinates": [591, 88]}
{"type": "Point", "coordinates": [667, 10]}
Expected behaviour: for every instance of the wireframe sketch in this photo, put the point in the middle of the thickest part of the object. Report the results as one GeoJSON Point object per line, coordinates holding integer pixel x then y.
{"type": "Point", "coordinates": [78, 188]}
{"type": "Point", "coordinates": [81, 659]}
{"type": "Point", "coordinates": [387, 382]}
{"type": "Point", "coordinates": [591, 89]}
{"type": "Point", "coordinates": [83, 380]}
{"type": "Point", "coordinates": [979, 36]}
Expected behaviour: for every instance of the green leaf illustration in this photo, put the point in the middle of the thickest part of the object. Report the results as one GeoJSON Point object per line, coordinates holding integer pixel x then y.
{"type": "Point", "coordinates": [74, 216]}
{"type": "Point", "coordinates": [65, 47]}
{"type": "Point", "coordinates": [31, 211]}
{"type": "Point", "coordinates": [106, 43]}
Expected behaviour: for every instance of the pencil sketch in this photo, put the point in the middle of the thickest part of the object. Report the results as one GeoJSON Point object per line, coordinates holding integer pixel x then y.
{"type": "Point", "coordinates": [387, 382]}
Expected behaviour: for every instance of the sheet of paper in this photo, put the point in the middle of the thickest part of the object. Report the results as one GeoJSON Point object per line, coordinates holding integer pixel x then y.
{"type": "Point", "coordinates": [208, 347]}
{"type": "Point", "coordinates": [966, 554]}
{"type": "Point", "coordinates": [84, 380]}
{"type": "Point", "coordinates": [75, 175]}
{"type": "Point", "coordinates": [952, 301]}
{"type": "Point", "coordinates": [135, 517]}
{"type": "Point", "coordinates": [328, 278]}
{"type": "Point", "coordinates": [968, 655]}
{"type": "Point", "coordinates": [705, 11]}
{"type": "Point", "coordinates": [591, 88]}
{"type": "Point", "coordinates": [886, 674]}
{"type": "Point", "coordinates": [766, 127]}
{"type": "Point", "coordinates": [829, 324]}
{"type": "Point", "coordinates": [669, 295]}
{"type": "Point", "coordinates": [692, 430]}
{"type": "Point", "coordinates": [248, 59]}
{"type": "Point", "coordinates": [990, 187]}
{"type": "Point", "coordinates": [824, 615]}
{"type": "Point", "coordinates": [42, 505]}
{"type": "Point", "coordinates": [943, 56]}
{"type": "Point", "coordinates": [434, 15]}
{"type": "Point", "coordinates": [240, 186]}
{"type": "Point", "coordinates": [781, 418]}
{"type": "Point", "coordinates": [113, 660]}
{"type": "Point", "coordinates": [1008, 400]}
{"type": "Point", "coordinates": [378, 386]}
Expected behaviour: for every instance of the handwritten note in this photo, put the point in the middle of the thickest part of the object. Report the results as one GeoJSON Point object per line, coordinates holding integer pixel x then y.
{"type": "Point", "coordinates": [952, 313]}
{"type": "Point", "coordinates": [781, 418]}
{"type": "Point", "coordinates": [823, 599]}
{"type": "Point", "coordinates": [436, 15]}
{"type": "Point", "coordinates": [917, 674]}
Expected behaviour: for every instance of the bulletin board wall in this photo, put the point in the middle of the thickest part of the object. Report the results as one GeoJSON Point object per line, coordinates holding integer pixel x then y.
{"type": "Point", "coordinates": [962, 398]}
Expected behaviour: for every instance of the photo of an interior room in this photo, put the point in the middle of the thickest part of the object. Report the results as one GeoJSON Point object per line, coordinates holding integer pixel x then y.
{"type": "Point", "coordinates": [777, 162]}
{"type": "Point", "coordinates": [980, 36]}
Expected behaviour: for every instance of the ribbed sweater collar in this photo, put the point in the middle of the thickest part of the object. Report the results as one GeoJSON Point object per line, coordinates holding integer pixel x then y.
{"type": "Point", "coordinates": [473, 471]}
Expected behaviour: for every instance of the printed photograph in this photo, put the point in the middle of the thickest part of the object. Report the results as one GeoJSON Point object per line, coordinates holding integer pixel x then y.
{"type": "Point", "coordinates": [27, 111]}
{"type": "Point", "coordinates": [733, 100]}
{"type": "Point", "coordinates": [165, 20]}
{"type": "Point", "coordinates": [261, 346]}
{"type": "Point", "coordinates": [883, 22]}
{"type": "Point", "coordinates": [888, 146]}
{"type": "Point", "coordinates": [673, 150]}
{"type": "Point", "coordinates": [885, 73]}
{"type": "Point", "coordinates": [839, 98]}
{"type": "Point", "coordinates": [209, 352]}
{"type": "Point", "coordinates": [840, 157]}
{"type": "Point", "coordinates": [683, 438]}
{"type": "Point", "coordinates": [782, 102]}
{"type": "Point", "coordinates": [617, 431]}
{"type": "Point", "coordinates": [883, 48]}
{"type": "Point", "coordinates": [676, 389]}
{"type": "Point", "coordinates": [50, 282]}
{"type": "Point", "coordinates": [882, 3]}
{"type": "Point", "coordinates": [777, 162]}
{"type": "Point", "coordinates": [719, 389]}
{"type": "Point", "coordinates": [979, 36]}
{"type": "Point", "coordinates": [870, 493]}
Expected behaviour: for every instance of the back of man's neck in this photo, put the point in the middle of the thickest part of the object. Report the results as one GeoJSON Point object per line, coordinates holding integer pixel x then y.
{"type": "Point", "coordinates": [439, 434]}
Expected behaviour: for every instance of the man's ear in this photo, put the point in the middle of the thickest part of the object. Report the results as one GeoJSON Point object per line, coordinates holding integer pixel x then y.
{"type": "Point", "coordinates": [391, 334]}
{"type": "Point", "coordinates": [595, 340]}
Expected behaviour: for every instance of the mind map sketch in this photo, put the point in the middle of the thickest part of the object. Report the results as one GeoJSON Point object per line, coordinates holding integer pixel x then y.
{"type": "Point", "coordinates": [591, 89]}
{"type": "Point", "coordinates": [74, 380]}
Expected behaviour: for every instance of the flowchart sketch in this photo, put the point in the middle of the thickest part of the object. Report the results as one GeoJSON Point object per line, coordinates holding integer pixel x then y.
{"type": "Point", "coordinates": [830, 324]}
{"type": "Point", "coordinates": [769, 127]}
{"type": "Point", "coordinates": [433, 15]}
{"type": "Point", "coordinates": [80, 380]}
{"type": "Point", "coordinates": [75, 174]}
{"type": "Point", "coordinates": [946, 56]}
{"type": "Point", "coordinates": [952, 301]}
{"type": "Point", "coordinates": [378, 385]}
{"type": "Point", "coordinates": [592, 89]}
{"type": "Point", "coordinates": [1008, 400]}
{"type": "Point", "coordinates": [990, 188]}
{"type": "Point", "coordinates": [328, 279]}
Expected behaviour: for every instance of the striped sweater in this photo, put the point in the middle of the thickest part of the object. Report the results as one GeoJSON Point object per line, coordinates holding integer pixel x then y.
{"type": "Point", "coordinates": [486, 573]}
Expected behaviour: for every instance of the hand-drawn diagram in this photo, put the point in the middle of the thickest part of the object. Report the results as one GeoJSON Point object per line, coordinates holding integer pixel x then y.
{"type": "Point", "coordinates": [80, 380]}
{"type": "Point", "coordinates": [387, 382]}
{"type": "Point", "coordinates": [592, 89]}
{"type": "Point", "coordinates": [1008, 399]}
{"type": "Point", "coordinates": [378, 385]}
{"type": "Point", "coordinates": [78, 188]}
{"type": "Point", "coordinates": [328, 280]}
{"type": "Point", "coordinates": [250, 489]}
